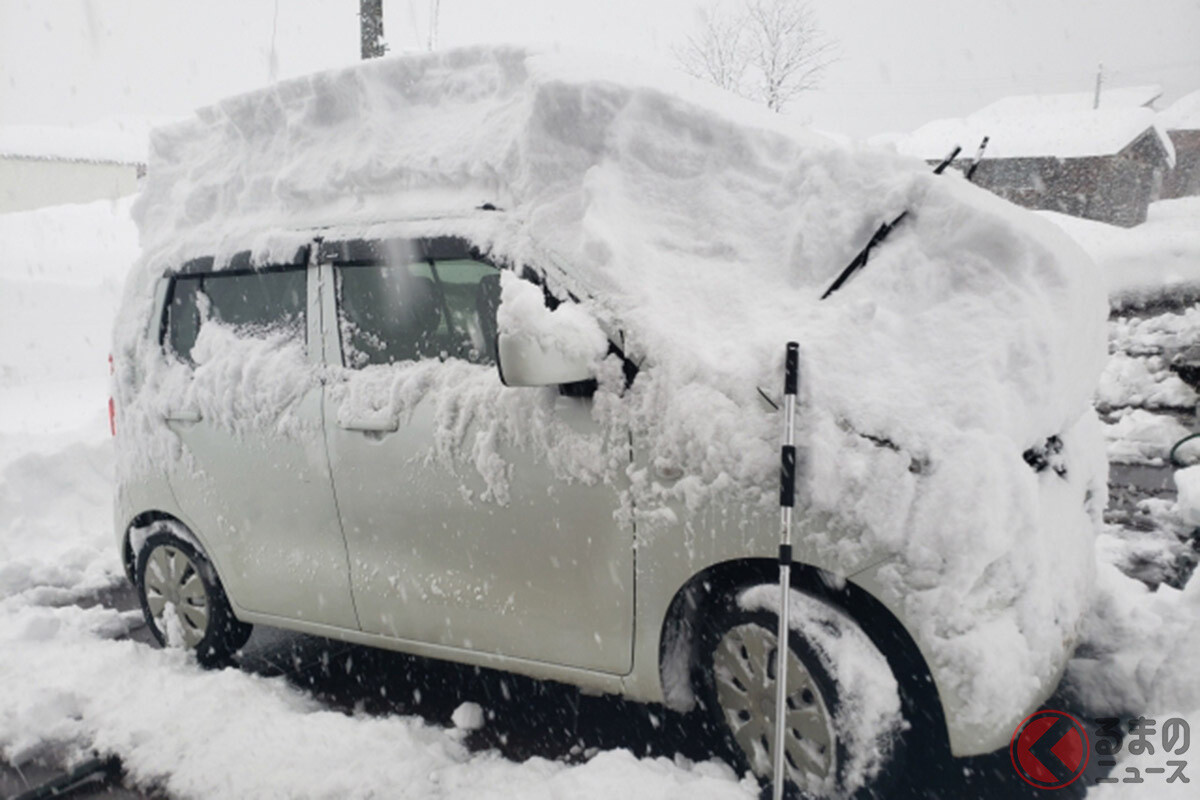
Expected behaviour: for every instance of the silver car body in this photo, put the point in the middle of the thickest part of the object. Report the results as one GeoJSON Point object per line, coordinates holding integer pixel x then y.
{"type": "Point", "coordinates": [346, 529]}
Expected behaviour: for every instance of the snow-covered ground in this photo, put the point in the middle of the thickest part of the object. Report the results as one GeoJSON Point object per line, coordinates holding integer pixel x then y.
{"type": "Point", "coordinates": [72, 682]}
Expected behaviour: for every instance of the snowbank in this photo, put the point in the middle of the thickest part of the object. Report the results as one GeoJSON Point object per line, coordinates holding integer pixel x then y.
{"type": "Point", "coordinates": [706, 230]}
{"type": "Point", "coordinates": [1139, 660]}
{"type": "Point", "coordinates": [1156, 260]}
{"type": "Point", "coordinates": [59, 290]}
{"type": "Point", "coordinates": [1142, 437]}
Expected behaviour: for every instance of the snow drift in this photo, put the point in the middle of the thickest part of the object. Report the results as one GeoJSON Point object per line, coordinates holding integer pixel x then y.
{"type": "Point", "coordinates": [705, 230]}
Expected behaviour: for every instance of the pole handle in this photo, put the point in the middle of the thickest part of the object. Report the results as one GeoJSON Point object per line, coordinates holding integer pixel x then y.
{"type": "Point", "coordinates": [791, 369]}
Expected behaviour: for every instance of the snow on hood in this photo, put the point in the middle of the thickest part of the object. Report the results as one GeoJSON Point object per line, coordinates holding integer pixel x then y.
{"type": "Point", "coordinates": [708, 229]}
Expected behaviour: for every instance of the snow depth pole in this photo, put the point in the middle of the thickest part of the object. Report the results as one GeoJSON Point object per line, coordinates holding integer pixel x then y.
{"type": "Point", "coordinates": [787, 500]}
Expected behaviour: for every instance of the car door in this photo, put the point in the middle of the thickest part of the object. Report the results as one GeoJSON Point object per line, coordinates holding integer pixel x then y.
{"type": "Point", "coordinates": [252, 473]}
{"type": "Point", "coordinates": [461, 531]}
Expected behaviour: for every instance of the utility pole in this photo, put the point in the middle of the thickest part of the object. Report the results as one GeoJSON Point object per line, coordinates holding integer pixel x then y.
{"type": "Point", "coordinates": [1099, 80]}
{"type": "Point", "coordinates": [434, 10]}
{"type": "Point", "coordinates": [370, 16]}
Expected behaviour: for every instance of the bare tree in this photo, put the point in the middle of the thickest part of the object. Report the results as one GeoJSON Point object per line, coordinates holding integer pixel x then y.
{"type": "Point", "coordinates": [767, 50]}
{"type": "Point", "coordinates": [718, 54]}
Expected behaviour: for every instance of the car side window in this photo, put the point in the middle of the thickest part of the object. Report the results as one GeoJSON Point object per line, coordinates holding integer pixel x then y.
{"type": "Point", "coordinates": [433, 309]}
{"type": "Point", "coordinates": [253, 303]}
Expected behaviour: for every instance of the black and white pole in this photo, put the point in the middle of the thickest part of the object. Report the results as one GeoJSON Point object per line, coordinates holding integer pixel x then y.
{"type": "Point", "coordinates": [787, 501]}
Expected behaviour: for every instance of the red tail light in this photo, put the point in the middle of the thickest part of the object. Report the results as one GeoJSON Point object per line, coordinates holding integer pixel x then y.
{"type": "Point", "coordinates": [112, 407]}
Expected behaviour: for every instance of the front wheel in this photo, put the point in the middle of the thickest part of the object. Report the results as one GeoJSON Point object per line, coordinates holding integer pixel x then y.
{"type": "Point", "coordinates": [843, 724]}
{"type": "Point", "coordinates": [183, 601]}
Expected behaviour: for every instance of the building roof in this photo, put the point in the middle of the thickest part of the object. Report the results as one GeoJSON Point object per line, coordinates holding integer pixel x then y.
{"type": "Point", "coordinates": [1076, 134]}
{"type": "Point", "coordinates": [119, 142]}
{"type": "Point", "coordinates": [1183, 115]}
{"type": "Point", "coordinates": [1115, 98]}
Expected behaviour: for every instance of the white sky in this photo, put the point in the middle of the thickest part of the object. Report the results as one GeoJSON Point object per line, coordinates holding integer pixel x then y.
{"type": "Point", "coordinates": [902, 63]}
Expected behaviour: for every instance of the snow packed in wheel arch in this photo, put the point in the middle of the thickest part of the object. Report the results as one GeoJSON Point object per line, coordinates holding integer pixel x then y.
{"type": "Point", "coordinates": [952, 457]}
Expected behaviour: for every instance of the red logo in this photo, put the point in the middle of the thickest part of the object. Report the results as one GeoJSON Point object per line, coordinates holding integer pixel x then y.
{"type": "Point", "coordinates": [1049, 749]}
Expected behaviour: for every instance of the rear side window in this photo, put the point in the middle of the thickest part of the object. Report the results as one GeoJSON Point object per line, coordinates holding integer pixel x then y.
{"type": "Point", "coordinates": [432, 309]}
{"type": "Point", "coordinates": [253, 303]}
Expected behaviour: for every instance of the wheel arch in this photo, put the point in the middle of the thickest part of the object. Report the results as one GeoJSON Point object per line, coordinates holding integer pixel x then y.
{"type": "Point", "coordinates": [143, 520]}
{"type": "Point", "coordinates": [698, 599]}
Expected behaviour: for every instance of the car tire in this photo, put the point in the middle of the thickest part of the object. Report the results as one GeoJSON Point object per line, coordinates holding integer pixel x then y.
{"type": "Point", "coordinates": [183, 601]}
{"type": "Point", "coordinates": [737, 690]}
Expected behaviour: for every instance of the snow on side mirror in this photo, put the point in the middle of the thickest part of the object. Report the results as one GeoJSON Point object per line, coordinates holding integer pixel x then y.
{"type": "Point", "coordinates": [540, 347]}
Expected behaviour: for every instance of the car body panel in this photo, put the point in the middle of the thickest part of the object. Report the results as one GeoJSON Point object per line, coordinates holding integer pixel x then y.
{"type": "Point", "coordinates": [265, 504]}
{"type": "Point", "coordinates": [545, 573]}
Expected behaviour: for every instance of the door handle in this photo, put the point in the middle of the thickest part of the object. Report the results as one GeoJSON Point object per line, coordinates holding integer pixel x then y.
{"type": "Point", "coordinates": [385, 425]}
{"type": "Point", "coordinates": [184, 415]}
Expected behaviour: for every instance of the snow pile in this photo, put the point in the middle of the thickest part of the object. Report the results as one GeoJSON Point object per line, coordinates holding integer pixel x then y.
{"type": "Point", "coordinates": [1155, 260]}
{"type": "Point", "coordinates": [867, 719]}
{"type": "Point", "coordinates": [1142, 437]}
{"type": "Point", "coordinates": [1188, 505]}
{"type": "Point", "coordinates": [1131, 381]}
{"type": "Point", "coordinates": [56, 541]}
{"type": "Point", "coordinates": [706, 230]}
{"type": "Point", "coordinates": [1139, 660]}
{"type": "Point", "coordinates": [59, 289]}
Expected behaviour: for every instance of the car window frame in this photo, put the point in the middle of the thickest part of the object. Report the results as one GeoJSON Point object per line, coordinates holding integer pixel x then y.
{"type": "Point", "coordinates": [351, 253]}
{"type": "Point", "coordinates": [201, 269]}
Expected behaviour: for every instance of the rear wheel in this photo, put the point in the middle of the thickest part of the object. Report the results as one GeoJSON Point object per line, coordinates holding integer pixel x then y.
{"type": "Point", "coordinates": [183, 601]}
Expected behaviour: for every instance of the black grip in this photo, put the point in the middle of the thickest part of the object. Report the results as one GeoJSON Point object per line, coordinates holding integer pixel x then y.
{"type": "Point", "coordinates": [785, 554]}
{"type": "Point", "coordinates": [787, 477]}
{"type": "Point", "coordinates": [791, 368]}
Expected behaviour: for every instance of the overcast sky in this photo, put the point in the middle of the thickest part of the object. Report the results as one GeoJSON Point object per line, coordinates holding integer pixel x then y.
{"type": "Point", "coordinates": [902, 63]}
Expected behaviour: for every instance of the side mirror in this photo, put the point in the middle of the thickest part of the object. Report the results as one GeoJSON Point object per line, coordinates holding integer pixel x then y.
{"type": "Point", "coordinates": [523, 360]}
{"type": "Point", "coordinates": [537, 346]}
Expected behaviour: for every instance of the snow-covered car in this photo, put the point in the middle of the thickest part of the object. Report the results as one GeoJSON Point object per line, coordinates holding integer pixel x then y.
{"type": "Point", "coordinates": [476, 355]}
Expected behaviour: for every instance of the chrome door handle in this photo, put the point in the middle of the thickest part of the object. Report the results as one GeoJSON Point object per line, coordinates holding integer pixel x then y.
{"type": "Point", "coordinates": [184, 415]}
{"type": "Point", "coordinates": [386, 425]}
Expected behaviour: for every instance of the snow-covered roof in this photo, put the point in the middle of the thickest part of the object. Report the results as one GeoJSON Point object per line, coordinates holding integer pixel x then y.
{"type": "Point", "coordinates": [120, 142]}
{"type": "Point", "coordinates": [1183, 114]}
{"type": "Point", "coordinates": [1029, 104]}
{"type": "Point", "coordinates": [1064, 134]}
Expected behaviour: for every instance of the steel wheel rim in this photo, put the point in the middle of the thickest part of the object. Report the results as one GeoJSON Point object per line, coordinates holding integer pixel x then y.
{"type": "Point", "coordinates": [744, 675]}
{"type": "Point", "coordinates": [176, 596]}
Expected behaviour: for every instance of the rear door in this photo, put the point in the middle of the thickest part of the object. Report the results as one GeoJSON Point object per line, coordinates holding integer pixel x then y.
{"type": "Point", "coordinates": [252, 473]}
{"type": "Point", "coordinates": [474, 514]}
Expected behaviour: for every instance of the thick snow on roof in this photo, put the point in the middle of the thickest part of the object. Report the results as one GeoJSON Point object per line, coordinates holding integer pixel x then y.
{"type": "Point", "coordinates": [116, 141]}
{"type": "Point", "coordinates": [1065, 134]}
{"type": "Point", "coordinates": [1183, 114]}
{"type": "Point", "coordinates": [975, 333]}
{"type": "Point", "coordinates": [1029, 104]}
